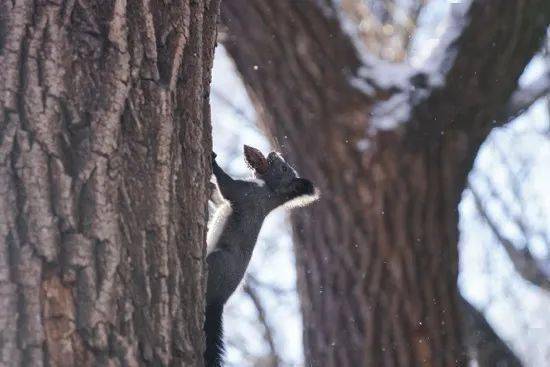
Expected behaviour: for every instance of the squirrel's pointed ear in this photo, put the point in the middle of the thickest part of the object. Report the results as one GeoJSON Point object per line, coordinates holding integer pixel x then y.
{"type": "Point", "coordinates": [255, 159]}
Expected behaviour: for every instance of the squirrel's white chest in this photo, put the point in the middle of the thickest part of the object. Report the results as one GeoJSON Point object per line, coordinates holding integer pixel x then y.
{"type": "Point", "coordinates": [216, 226]}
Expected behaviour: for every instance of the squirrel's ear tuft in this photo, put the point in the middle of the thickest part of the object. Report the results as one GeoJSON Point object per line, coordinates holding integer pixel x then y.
{"type": "Point", "coordinates": [255, 159]}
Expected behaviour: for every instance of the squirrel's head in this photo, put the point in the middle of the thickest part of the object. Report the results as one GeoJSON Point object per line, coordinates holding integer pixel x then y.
{"type": "Point", "coordinates": [281, 178]}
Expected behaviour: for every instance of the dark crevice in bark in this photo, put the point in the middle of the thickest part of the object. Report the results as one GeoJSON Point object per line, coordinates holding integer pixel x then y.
{"type": "Point", "coordinates": [92, 221]}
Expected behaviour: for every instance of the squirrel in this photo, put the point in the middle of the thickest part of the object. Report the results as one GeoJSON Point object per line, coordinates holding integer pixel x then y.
{"type": "Point", "coordinates": [242, 206]}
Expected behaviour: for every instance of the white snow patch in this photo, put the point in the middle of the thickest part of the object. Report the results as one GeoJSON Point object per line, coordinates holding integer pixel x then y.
{"type": "Point", "coordinates": [378, 73]}
{"type": "Point", "coordinates": [390, 114]}
{"type": "Point", "coordinates": [432, 61]}
{"type": "Point", "coordinates": [436, 54]}
{"type": "Point", "coordinates": [362, 85]}
{"type": "Point", "coordinates": [387, 75]}
{"type": "Point", "coordinates": [432, 56]}
{"type": "Point", "coordinates": [375, 70]}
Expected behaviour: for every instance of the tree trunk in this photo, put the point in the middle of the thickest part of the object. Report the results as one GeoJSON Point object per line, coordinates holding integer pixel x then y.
{"type": "Point", "coordinates": [377, 257]}
{"type": "Point", "coordinates": [104, 162]}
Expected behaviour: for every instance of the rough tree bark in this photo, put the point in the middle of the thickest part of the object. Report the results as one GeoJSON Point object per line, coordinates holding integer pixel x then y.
{"type": "Point", "coordinates": [104, 163]}
{"type": "Point", "coordinates": [377, 257]}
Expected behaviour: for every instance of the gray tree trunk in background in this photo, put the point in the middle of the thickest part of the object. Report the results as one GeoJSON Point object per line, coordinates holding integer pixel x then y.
{"type": "Point", "coordinates": [104, 161]}
{"type": "Point", "coordinates": [377, 257]}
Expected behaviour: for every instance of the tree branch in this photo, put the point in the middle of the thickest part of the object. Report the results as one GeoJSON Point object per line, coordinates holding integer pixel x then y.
{"type": "Point", "coordinates": [485, 50]}
{"type": "Point", "coordinates": [485, 345]}
{"type": "Point", "coordinates": [524, 97]}
{"type": "Point", "coordinates": [523, 261]}
{"type": "Point", "coordinates": [287, 40]}
{"type": "Point", "coordinates": [300, 46]}
{"type": "Point", "coordinates": [274, 358]}
{"type": "Point", "coordinates": [300, 66]}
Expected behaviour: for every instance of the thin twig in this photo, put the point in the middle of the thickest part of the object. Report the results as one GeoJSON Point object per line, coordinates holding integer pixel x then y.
{"type": "Point", "coordinates": [274, 358]}
{"type": "Point", "coordinates": [522, 259]}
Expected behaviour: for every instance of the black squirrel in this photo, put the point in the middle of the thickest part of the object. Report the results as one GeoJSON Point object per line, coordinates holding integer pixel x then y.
{"type": "Point", "coordinates": [241, 210]}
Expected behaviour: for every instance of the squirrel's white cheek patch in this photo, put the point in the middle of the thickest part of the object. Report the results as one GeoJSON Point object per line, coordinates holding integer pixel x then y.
{"type": "Point", "coordinates": [303, 200]}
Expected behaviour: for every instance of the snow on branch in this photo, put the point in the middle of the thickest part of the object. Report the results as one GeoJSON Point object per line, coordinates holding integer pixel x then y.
{"type": "Point", "coordinates": [443, 53]}
{"type": "Point", "coordinates": [404, 85]}
{"type": "Point", "coordinates": [374, 73]}
{"type": "Point", "coordinates": [407, 85]}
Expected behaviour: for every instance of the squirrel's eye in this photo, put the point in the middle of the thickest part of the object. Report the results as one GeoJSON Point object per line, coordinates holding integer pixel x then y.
{"type": "Point", "coordinates": [285, 168]}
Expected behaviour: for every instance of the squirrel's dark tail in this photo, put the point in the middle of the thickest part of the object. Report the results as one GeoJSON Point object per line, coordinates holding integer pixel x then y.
{"type": "Point", "coordinates": [214, 335]}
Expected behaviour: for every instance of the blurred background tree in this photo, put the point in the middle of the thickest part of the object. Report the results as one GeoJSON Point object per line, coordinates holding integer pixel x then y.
{"type": "Point", "coordinates": [386, 105]}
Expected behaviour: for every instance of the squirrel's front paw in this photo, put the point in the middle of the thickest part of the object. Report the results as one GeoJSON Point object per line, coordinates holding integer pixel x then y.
{"type": "Point", "coordinates": [214, 155]}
